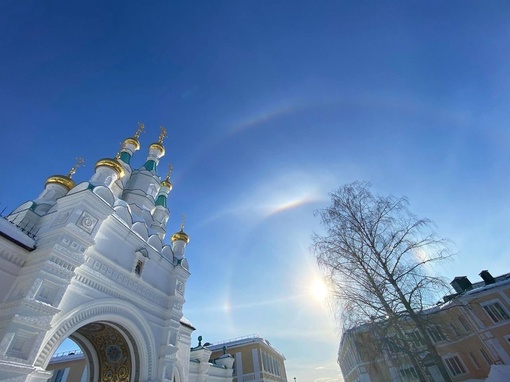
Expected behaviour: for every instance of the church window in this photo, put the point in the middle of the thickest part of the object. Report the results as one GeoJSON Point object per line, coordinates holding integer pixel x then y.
{"type": "Point", "coordinates": [138, 267]}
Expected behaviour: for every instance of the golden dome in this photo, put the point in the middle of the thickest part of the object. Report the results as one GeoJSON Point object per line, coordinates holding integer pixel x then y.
{"type": "Point", "coordinates": [113, 164]}
{"type": "Point", "coordinates": [167, 184]}
{"type": "Point", "coordinates": [157, 146]}
{"type": "Point", "coordinates": [181, 235]}
{"type": "Point", "coordinates": [65, 181]}
{"type": "Point", "coordinates": [132, 141]}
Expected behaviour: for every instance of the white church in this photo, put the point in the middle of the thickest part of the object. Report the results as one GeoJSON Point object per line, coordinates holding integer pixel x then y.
{"type": "Point", "coordinates": [89, 262]}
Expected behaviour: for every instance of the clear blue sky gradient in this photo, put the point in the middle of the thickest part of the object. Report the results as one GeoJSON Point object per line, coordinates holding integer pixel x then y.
{"type": "Point", "coordinates": [270, 106]}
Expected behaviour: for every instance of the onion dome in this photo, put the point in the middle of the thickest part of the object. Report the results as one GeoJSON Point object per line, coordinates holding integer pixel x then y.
{"type": "Point", "coordinates": [65, 180]}
{"type": "Point", "coordinates": [157, 146]}
{"type": "Point", "coordinates": [165, 189]}
{"type": "Point", "coordinates": [112, 164]}
{"type": "Point", "coordinates": [181, 235]}
{"type": "Point", "coordinates": [156, 151]}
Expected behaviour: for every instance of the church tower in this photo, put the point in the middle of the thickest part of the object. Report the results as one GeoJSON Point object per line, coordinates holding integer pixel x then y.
{"type": "Point", "coordinates": [91, 262]}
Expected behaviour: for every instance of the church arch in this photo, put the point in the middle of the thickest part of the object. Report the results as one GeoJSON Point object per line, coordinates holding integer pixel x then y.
{"type": "Point", "coordinates": [121, 316]}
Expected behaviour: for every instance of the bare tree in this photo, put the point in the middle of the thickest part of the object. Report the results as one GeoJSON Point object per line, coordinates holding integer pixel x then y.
{"type": "Point", "coordinates": [378, 257]}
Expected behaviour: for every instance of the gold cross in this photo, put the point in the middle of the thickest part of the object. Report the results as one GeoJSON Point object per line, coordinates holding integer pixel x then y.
{"type": "Point", "coordinates": [162, 135]}
{"type": "Point", "coordinates": [141, 129]}
{"type": "Point", "coordinates": [79, 162]}
{"type": "Point", "coordinates": [183, 218]}
{"type": "Point", "coordinates": [170, 168]}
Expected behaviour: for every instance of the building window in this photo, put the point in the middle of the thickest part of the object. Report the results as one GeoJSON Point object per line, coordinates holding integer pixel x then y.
{"type": "Point", "coordinates": [415, 337]}
{"type": "Point", "coordinates": [464, 324]}
{"type": "Point", "coordinates": [60, 375]}
{"type": "Point", "coordinates": [455, 365]}
{"type": "Point", "coordinates": [436, 334]}
{"type": "Point", "coordinates": [496, 312]}
{"type": "Point", "coordinates": [475, 361]}
{"type": "Point", "coordinates": [455, 330]}
{"type": "Point", "coordinates": [393, 346]}
{"type": "Point", "coordinates": [409, 374]}
{"type": "Point", "coordinates": [139, 267]}
{"type": "Point", "coordinates": [486, 357]}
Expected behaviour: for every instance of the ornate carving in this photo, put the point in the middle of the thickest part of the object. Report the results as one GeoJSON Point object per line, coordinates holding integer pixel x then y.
{"type": "Point", "coordinates": [177, 306]}
{"type": "Point", "coordinates": [87, 222]}
{"type": "Point", "coordinates": [180, 287]}
{"type": "Point", "coordinates": [62, 217]}
{"type": "Point", "coordinates": [72, 323]}
{"type": "Point", "coordinates": [112, 350]}
{"type": "Point", "coordinates": [42, 322]}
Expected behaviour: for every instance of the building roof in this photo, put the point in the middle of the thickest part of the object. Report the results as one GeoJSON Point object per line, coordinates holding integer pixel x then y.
{"type": "Point", "coordinates": [240, 341]}
{"type": "Point", "coordinates": [184, 321]}
{"type": "Point", "coordinates": [16, 235]}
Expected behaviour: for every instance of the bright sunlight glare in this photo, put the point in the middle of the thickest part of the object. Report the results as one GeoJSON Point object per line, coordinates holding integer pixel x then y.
{"type": "Point", "coordinates": [319, 290]}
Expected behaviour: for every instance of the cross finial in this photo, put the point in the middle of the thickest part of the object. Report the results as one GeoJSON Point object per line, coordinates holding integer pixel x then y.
{"type": "Point", "coordinates": [162, 135]}
{"type": "Point", "coordinates": [79, 162]}
{"type": "Point", "coordinates": [183, 219]}
{"type": "Point", "coordinates": [122, 146]}
{"type": "Point", "coordinates": [141, 129]}
{"type": "Point", "coordinates": [169, 172]}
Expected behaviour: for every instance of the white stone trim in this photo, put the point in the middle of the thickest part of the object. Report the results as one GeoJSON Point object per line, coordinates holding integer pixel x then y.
{"type": "Point", "coordinates": [116, 311]}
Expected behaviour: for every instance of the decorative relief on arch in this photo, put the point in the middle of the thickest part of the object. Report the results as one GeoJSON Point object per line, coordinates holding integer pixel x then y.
{"type": "Point", "coordinates": [112, 350]}
{"type": "Point", "coordinates": [101, 312]}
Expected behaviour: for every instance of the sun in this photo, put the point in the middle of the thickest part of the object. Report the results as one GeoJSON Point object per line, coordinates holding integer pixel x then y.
{"type": "Point", "coordinates": [319, 290]}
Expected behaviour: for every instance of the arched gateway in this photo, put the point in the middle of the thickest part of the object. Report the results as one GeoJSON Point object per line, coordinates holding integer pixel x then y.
{"type": "Point", "coordinates": [89, 262]}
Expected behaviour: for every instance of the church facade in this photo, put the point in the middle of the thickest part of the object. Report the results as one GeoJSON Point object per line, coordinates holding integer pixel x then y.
{"type": "Point", "coordinates": [89, 262]}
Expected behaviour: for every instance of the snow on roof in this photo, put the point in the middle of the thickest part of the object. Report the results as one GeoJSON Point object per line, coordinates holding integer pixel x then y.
{"type": "Point", "coordinates": [186, 322]}
{"type": "Point", "coordinates": [500, 280]}
{"type": "Point", "coordinates": [15, 234]}
{"type": "Point", "coordinates": [498, 373]}
{"type": "Point", "coordinates": [253, 338]}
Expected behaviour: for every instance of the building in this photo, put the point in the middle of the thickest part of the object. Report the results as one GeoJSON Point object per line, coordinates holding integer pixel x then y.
{"type": "Point", "coordinates": [68, 366]}
{"type": "Point", "coordinates": [71, 366]}
{"type": "Point", "coordinates": [92, 262]}
{"type": "Point", "coordinates": [255, 359]}
{"type": "Point", "coordinates": [470, 330]}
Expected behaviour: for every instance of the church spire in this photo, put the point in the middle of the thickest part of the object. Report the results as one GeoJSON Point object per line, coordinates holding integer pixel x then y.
{"type": "Point", "coordinates": [161, 214]}
{"type": "Point", "coordinates": [156, 151]}
{"type": "Point", "coordinates": [165, 189]}
{"type": "Point", "coordinates": [130, 145]}
{"type": "Point", "coordinates": [107, 171]}
{"type": "Point", "coordinates": [181, 235]}
{"type": "Point", "coordinates": [65, 180]}
{"type": "Point", "coordinates": [179, 241]}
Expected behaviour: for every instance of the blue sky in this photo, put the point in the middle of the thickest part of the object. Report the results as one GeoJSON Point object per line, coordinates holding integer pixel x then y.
{"type": "Point", "coordinates": [270, 106]}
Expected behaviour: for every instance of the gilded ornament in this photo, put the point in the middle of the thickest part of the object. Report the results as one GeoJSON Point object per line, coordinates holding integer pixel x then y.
{"type": "Point", "coordinates": [113, 164]}
{"type": "Point", "coordinates": [62, 180]}
{"type": "Point", "coordinates": [166, 182]}
{"type": "Point", "coordinates": [181, 235]}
